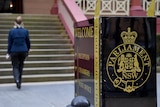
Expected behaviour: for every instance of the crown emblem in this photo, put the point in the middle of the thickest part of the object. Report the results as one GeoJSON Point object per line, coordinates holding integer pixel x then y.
{"type": "Point", "coordinates": [129, 37]}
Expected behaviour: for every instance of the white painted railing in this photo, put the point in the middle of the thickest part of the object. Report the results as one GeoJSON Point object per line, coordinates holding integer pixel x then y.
{"type": "Point", "coordinates": [108, 7]}
{"type": "Point", "coordinates": [157, 6]}
{"type": "Point", "coordinates": [114, 7]}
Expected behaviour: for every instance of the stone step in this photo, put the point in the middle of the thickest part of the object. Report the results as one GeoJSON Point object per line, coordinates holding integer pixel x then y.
{"type": "Point", "coordinates": [28, 16]}
{"type": "Point", "coordinates": [39, 70]}
{"type": "Point", "coordinates": [38, 23]}
{"type": "Point", "coordinates": [40, 36]}
{"type": "Point", "coordinates": [31, 19]}
{"type": "Point", "coordinates": [3, 31]}
{"type": "Point", "coordinates": [42, 53]}
{"type": "Point", "coordinates": [42, 41]}
{"type": "Point", "coordinates": [51, 57]}
{"type": "Point", "coordinates": [30, 27]}
{"type": "Point", "coordinates": [27, 64]}
{"type": "Point", "coordinates": [38, 78]}
{"type": "Point", "coordinates": [43, 47]}
{"type": "Point", "coordinates": [45, 57]}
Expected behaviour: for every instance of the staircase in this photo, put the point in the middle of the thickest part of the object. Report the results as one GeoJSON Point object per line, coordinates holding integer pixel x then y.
{"type": "Point", "coordinates": [51, 55]}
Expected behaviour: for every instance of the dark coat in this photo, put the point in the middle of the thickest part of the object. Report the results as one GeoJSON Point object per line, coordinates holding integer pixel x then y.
{"type": "Point", "coordinates": [18, 40]}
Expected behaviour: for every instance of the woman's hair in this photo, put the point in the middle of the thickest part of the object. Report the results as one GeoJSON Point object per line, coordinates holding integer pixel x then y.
{"type": "Point", "coordinates": [18, 20]}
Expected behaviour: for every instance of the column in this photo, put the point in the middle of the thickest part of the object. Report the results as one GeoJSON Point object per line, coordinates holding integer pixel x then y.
{"type": "Point", "coordinates": [54, 9]}
{"type": "Point", "coordinates": [136, 8]}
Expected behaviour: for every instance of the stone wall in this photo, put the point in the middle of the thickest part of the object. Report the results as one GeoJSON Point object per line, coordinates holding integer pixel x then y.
{"type": "Point", "coordinates": [37, 6]}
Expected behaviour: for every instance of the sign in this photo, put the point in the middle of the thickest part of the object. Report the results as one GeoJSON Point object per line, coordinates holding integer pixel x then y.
{"type": "Point", "coordinates": [84, 60]}
{"type": "Point", "coordinates": [129, 61]}
{"type": "Point", "coordinates": [115, 61]}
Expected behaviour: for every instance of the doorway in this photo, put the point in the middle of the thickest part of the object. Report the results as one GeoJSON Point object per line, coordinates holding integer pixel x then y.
{"type": "Point", "coordinates": [11, 6]}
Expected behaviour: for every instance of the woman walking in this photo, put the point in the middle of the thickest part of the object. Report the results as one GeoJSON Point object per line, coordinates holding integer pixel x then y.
{"type": "Point", "coordinates": [18, 48]}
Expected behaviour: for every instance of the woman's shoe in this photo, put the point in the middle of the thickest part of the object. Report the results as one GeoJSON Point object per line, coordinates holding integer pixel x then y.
{"type": "Point", "coordinates": [18, 85]}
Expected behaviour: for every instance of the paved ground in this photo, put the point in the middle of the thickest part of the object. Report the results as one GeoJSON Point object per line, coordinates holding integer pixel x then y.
{"type": "Point", "coordinates": [55, 94]}
{"type": "Point", "coordinates": [52, 94]}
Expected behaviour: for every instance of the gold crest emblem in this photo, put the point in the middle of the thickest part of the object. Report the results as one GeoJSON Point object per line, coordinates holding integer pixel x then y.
{"type": "Point", "coordinates": [128, 65]}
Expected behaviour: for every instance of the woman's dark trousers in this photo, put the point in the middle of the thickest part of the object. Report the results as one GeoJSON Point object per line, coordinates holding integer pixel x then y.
{"type": "Point", "coordinates": [18, 63]}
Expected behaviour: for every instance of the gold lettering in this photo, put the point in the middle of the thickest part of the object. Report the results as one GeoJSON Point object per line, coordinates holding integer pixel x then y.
{"type": "Point", "coordinates": [136, 49]}
{"type": "Point", "coordinates": [124, 48]}
{"type": "Point", "coordinates": [116, 53]}
{"type": "Point", "coordinates": [119, 49]}
{"type": "Point", "coordinates": [148, 63]}
{"type": "Point", "coordinates": [145, 57]}
{"type": "Point", "coordinates": [84, 32]}
{"type": "Point", "coordinates": [129, 75]}
{"type": "Point", "coordinates": [142, 52]}
{"type": "Point", "coordinates": [85, 87]}
{"type": "Point", "coordinates": [112, 61]}
{"type": "Point", "coordinates": [134, 75]}
{"type": "Point", "coordinates": [125, 75]}
{"type": "Point", "coordinates": [110, 64]}
{"type": "Point", "coordinates": [83, 56]}
{"type": "Point", "coordinates": [84, 71]}
{"type": "Point", "coordinates": [129, 47]}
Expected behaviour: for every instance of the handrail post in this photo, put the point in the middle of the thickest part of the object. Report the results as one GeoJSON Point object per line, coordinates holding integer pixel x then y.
{"type": "Point", "coordinates": [54, 9]}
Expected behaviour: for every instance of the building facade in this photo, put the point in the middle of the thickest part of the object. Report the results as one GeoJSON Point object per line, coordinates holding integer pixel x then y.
{"type": "Point", "coordinates": [26, 6]}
